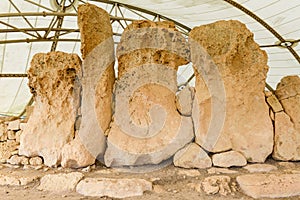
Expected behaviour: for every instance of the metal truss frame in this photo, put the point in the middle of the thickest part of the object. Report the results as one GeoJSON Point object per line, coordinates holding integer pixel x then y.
{"type": "Point", "coordinates": [116, 15]}
{"type": "Point", "coordinates": [55, 30]}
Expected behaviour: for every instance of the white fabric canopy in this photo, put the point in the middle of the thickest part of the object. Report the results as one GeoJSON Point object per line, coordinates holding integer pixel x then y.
{"type": "Point", "coordinates": [19, 44]}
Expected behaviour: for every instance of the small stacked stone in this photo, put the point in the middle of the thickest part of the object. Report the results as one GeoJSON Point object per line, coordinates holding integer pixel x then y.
{"type": "Point", "coordinates": [10, 132]}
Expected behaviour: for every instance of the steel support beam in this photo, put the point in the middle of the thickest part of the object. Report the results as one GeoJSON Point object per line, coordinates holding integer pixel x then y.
{"type": "Point", "coordinates": [13, 75]}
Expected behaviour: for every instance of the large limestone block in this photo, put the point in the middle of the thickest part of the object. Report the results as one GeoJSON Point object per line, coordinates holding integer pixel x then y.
{"type": "Point", "coordinates": [147, 128]}
{"type": "Point", "coordinates": [97, 49]}
{"type": "Point", "coordinates": [52, 81]}
{"type": "Point", "coordinates": [287, 122]}
{"type": "Point", "coordinates": [288, 93]}
{"type": "Point", "coordinates": [230, 111]}
{"type": "Point", "coordinates": [286, 139]}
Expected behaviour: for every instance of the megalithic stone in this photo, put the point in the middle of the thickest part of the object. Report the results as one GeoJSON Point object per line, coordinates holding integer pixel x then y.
{"type": "Point", "coordinates": [230, 111]}
{"type": "Point", "coordinates": [97, 49]}
{"type": "Point", "coordinates": [51, 125]}
{"type": "Point", "coordinates": [287, 122]}
{"type": "Point", "coordinates": [147, 128]}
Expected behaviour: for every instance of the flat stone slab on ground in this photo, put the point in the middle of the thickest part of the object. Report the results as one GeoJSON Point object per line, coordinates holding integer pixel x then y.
{"type": "Point", "coordinates": [260, 168]}
{"type": "Point", "coordinates": [188, 172]}
{"type": "Point", "coordinates": [114, 188]}
{"type": "Point", "coordinates": [270, 185]}
{"type": "Point", "coordinates": [17, 179]}
{"type": "Point", "coordinates": [216, 170]}
{"type": "Point", "coordinates": [60, 182]}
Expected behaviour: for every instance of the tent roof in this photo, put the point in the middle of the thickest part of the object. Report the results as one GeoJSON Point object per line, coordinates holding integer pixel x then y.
{"type": "Point", "coordinates": [31, 26]}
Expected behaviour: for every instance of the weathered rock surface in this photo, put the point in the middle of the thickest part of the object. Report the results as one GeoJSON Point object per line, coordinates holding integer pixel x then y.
{"type": "Point", "coordinates": [286, 139]}
{"type": "Point", "coordinates": [18, 160]}
{"type": "Point", "coordinates": [17, 179]}
{"type": "Point", "coordinates": [59, 183]}
{"type": "Point", "coordinates": [260, 168]}
{"type": "Point", "coordinates": [287, 165]}
{"type": "Point", "coordinates": [184, 101]}
{"type": "Point", "coordinates": [14, 125]}
{"type": "Point", "coordinates": [229, 159]}
{"type": "Point", "coordinates": [23, 126]}
{"type": "Point", "coordinates": [97, 49]}
{"type": "Point", "coordinates": [229, 90]}
{"type": "Point", "coordinates": [11, 135]}
{"type": "Point", "coordinates": [287, 123]}
{"type": "Point", "coordinates": [188, 172]}
{"type": "Point", "coordinates": [270, 185]}
{"type": "Point", "coordinates": [274, 103]}
{"type": "Point", "coordinates": [75, 155]}
{"type": "Point", "coordinates": [51, 125]}
{"type": "Point", "coordinates": [192, 156]}
{"type": "Point", "coordinates": [6, 148]}
{"type": "Point", "coordinates": [114, 188]}
{"type": "Point", "coordinates": [147, 128]}
{"type": "Point", "coordinates": [35, 161]}
{"type": "Point", "coordinates": [195, 186]}
{"type": "Point", "coordinates": [288, 93]}
{"type": "Point", "coordinates": [9, 180]}
{"type": "Point", "coordinates": [2, 129]}
{"type": "Point", "coordinates": [272, 115]}
{"type": "Point", "coordinates": [217, 184]}
{"type": "Point", "coordinates": [216, 170]}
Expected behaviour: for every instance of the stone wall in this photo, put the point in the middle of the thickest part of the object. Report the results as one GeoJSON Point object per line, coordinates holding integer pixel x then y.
{"type": "Point", "coordinates": [82, 113]}
{"type": "Point", "coordinates": [11, 130]}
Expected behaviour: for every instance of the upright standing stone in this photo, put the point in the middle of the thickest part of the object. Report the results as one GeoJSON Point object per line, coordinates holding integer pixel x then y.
{"type": "Point", "coordinates": [97, 49]}
{"type": "Point", "coordinates": [52, 82]}
{"type": "Point", "coordinates": [232, 75]}
{"type": "Point", "coordinates": [288, 93]}
{"type": "Point", "coordinates": [287, 122]}
{"type": "Point", "coordinates": [147, 127]}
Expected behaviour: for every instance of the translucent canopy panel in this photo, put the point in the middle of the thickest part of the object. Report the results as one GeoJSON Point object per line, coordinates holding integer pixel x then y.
{"type": "Point", "coordinates": [28, 27]}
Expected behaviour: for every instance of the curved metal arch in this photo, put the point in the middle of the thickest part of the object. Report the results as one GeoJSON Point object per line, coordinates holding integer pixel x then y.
{"type": "Point", "coordinates": [127, 6]}
{"type": "Point", "coordinates": [184, 29]}
{"type": "Point", "coordinates": [59, 31]}
{"type": "Point", "coordinates": [266, 25]}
